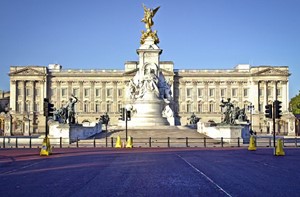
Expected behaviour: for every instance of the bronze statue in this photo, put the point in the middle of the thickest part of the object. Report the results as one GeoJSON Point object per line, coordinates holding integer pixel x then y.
{"type": "Point", "coordinates": [70, 106]}
{"type": "Point", "coordinates": [148, 15]}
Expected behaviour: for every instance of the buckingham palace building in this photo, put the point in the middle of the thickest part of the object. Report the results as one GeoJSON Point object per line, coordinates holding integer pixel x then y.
{"type": "Point", "coordinates": [193, 91]}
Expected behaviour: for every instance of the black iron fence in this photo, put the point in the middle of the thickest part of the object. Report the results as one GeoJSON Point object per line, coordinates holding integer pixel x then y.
{"type": "Point", "coordinates": [151, 142]}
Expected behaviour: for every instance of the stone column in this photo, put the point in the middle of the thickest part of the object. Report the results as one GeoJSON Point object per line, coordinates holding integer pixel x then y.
{"type": "Point", "coordinates": [58, 99]}
{"type": "Point", "coordinates": [183, 97]}
{"type": "Point", "coordinates": [69, 89]}
{"type": "Point", "coordinates": [240, 94]}
{"type": "Point", "coordinates": [265, 93]}
{"type": "Point", "coordinates": [42, 95]}
{"type": "Point", "coordinates": [218, 97]}
{"type": "Point", "coordinates": [229, 90]}
{"type": "Point", "coordinates": [274, 86]}
{"type": "Point", "coordinates": [13, 95]}
{"type": "Point", "coordinates": [115, 97]}
{"type": "Point", "coordinates": [32, 97]}
{"type": "Point", "coordinates": [194, 109]}
{"type": "Point", "coordinates": [254, 97]}
{"type": "Point", "coordinates": [81, 92]}
{"type": "Point", "coordinates": [92, 96]}
{"type": "Point", "coordinates": [205, 97]}
{"type": "Point", "coordinates": [23, 93]}
{"type": "Point", "coordinates": [103, 95]}
{"type": "Point", "coordinates": [284, 96]}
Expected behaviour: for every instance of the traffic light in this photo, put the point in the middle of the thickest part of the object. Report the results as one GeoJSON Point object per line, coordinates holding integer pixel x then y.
{"type": "Point", "coordinates": [46, 102]}
{"type": "Point", "coordinates": [50, 109]}
{"type": "Point", "coordinates": [268, 111]}
{"type": "Point", "coordinates": [122, 115]}
{"type": "Point", "coordinates": [128, 115]}
{"type": "Point", "coordinates": [278, 110]}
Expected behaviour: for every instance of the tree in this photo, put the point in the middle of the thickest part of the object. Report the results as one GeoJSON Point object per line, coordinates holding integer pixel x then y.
{"type": "Point", "coordinates": [295, 104]}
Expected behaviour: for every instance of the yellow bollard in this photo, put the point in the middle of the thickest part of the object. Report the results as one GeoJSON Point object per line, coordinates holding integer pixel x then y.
{"type": "Point", "coordinates": [118, 143]}
{"type": "Point", "coordinates": [129, 142]}
{"type": "Point", "coordinates": [46, 149]}
{"type": "Point", "coordinates": [252, 145]}
{"type": "Point", "coordinates": [279, 148]}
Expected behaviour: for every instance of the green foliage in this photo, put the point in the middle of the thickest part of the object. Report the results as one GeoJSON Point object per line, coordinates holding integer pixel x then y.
{"type": "Point", "coordinates": [295, 104]}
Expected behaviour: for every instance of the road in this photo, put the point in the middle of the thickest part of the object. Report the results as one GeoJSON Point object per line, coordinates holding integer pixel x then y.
{"type": "Point", "coordinates": [149, 172]}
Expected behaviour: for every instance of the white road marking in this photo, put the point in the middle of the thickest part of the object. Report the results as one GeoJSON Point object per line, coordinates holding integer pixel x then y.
{"type": "Point", "coordinates": [209, 179]}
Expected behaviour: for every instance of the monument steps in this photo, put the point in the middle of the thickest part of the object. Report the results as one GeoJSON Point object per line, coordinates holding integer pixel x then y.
{"type": "Point", "coordinates": [153, 132]}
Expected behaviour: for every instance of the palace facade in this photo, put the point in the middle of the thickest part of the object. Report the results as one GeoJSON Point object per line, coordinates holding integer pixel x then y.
{"type": "Point", "coordinates": [193, 91]}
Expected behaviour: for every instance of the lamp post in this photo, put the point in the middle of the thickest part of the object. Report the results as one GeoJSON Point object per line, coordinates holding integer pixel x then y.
{"type": "Point", "coordinates": [250, 108]}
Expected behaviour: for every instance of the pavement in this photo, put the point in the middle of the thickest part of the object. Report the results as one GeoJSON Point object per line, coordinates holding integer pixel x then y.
{"type": "Point", "coordinates": [150, 172]}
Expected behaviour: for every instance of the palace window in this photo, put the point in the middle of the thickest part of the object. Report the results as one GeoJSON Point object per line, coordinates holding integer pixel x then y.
{"type": "Point", "coordinates": [200, 107]}
{"type": "Point", "coordinates": [246, 92]}
{"type": "Point", "coordinates": [98, 92]}
{"type": "Point", "coordinates": [109, 92]}
{"type": "Point", "coordinates": [234, 92]}
{"type": "Point", "coordinates": [200, 92]}
{"type": "Point", "coordinates": [223, 92]}
{"type": "Point", "coordinates": [189, 92]}
{"type": "Point", "coordinates": [189, 107]}
{"type": "Point", "coordinates": [86, 107]}
{"type": "Point", "coordinates": [211, 92]}
{"type": "Point", "coordinates": [86, 92]}
{"type": "Point", "coordinates": [64, 92]}
{"type": "Point", "coordinates": [76, 92]}
{"type": "Point", "coordinates": [119, 107]}
{"type": "Point", "coordinates": [211, 107]}
{"type": "Point", "coordinates": [120, 92]}
{"type": "Point", "coordinates": [97, 107]}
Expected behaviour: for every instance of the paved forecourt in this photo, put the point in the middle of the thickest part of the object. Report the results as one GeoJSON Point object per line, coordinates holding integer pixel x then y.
{"type": "Point", "coordinates": [149, 172]}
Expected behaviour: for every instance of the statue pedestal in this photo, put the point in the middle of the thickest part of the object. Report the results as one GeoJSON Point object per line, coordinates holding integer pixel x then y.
{"type": "Point", "coordinates": [147, 112]}
{"type": "Point", "coordinates": [70, 133]}
{"type": "Point", "coordinates": [230, 133]}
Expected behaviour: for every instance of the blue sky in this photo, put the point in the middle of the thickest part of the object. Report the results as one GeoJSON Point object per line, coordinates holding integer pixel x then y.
{"type": "Point", "coordinates": [194, 34]}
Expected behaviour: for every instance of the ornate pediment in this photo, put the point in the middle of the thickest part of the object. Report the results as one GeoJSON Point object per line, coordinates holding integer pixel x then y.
{"type": "Point", "coordinates": [271, 72]}
{"type": "Point", "coordinates": [28, 71]}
